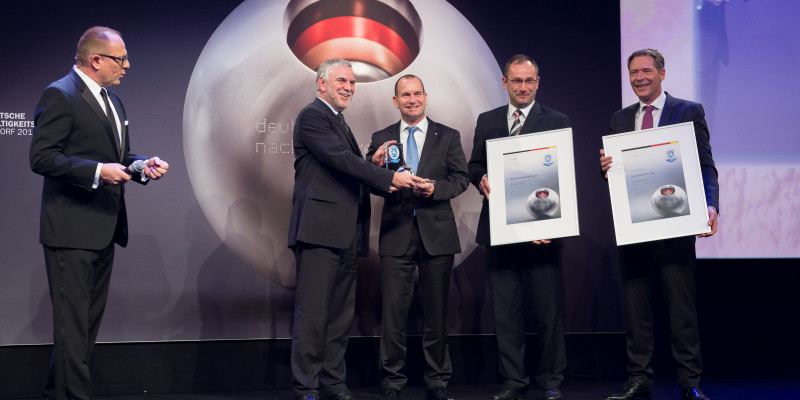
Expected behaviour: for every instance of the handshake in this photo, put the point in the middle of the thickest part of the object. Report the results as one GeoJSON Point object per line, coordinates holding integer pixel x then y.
{"type": "Point", "coordinates": [405, 180]}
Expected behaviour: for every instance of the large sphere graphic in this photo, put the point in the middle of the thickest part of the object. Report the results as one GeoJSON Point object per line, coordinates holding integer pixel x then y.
{"type": "Point", "coordinates": [669, 201]}
{"type": "Point", "coordinates": [257, 71]}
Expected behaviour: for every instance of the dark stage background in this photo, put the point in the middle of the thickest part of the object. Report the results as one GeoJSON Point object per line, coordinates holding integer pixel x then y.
{"type": "Point", "coordinates": [183, 279]}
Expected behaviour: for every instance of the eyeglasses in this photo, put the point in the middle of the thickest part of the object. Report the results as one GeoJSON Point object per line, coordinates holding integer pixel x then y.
{"type": "Point", "coordinates": [518, 82]}
{"type": "Point", "coordinates": [120, 60]}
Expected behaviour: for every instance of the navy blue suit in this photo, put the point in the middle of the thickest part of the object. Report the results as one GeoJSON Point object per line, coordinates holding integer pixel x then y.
{"type": "Point", "coordinates": [672, 260]}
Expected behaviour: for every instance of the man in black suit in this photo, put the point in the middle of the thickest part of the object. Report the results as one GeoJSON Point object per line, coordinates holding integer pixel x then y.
{"type": "Point", "coordinates": [535, 267]}
{"type": "Point", "coordinates": [418, 228]}
{"type": "Point", "coordinates": [328, 230]}
{"type": "Point", "coordinates": [672, 260]}
{"type": "Point", "coordinates": [80, 146]}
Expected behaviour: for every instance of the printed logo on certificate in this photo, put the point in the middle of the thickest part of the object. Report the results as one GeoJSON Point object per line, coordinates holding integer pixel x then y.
{"type": "Point", "coordinates": [656, 184]}
{"type": "Point", "coordinates": [533, 196]}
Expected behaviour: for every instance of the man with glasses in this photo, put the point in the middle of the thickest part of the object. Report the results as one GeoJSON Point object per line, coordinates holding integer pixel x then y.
{"type": "Point", "coordinates": [513, 269]}
{"type": "Point", "coordinates": [80, 146]}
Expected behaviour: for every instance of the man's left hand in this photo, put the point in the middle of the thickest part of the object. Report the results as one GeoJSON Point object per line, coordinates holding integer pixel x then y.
{"type": "Point", "coordinates": [712, 222]}
{"type": "Point", "coordinates": [426, 189]}
{"type": "Point", "coordinates": [155, 168]}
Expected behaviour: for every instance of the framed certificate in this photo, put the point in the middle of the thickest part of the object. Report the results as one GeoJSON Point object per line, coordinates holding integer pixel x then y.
{"type": "Point", "coordinates": [533, 195]}
{"type": "Point", "coordinates": [655, 184]}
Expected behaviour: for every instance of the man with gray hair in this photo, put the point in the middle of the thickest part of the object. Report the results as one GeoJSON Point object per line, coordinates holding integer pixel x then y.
{"type": "Point", "coordinates": [328, 230]}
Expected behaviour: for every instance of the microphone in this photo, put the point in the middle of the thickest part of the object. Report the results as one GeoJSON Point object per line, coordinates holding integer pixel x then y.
{"type": "Point", "coordinates": [137, 166]}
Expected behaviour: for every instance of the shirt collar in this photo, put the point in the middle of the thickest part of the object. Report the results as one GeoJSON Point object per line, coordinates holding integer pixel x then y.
{"type": "Point", "coordinates": [329, 106]}
{"type": "Point", "coordinates": [90, 83]}
{"type": "Point", "coordinates": [422, 125]}
{"type": "Point", "coordinates": [525, 111]}
{"type": "Point", "coordinates": [658, 103]}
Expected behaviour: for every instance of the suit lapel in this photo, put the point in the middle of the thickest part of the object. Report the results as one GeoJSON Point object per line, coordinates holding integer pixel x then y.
{"type": "Point", "coordinates": [88, 96]}
{"type": "Point", "coordinates": [627, 120]}
{"type": "Point", "coordinates": [666, 114]}
{"type": "Point", "coordinates": [430, 144]}
{"type": "Point", "coordinates": [532, 119]}
{"type": "Point", "coordinates": [123, 134]}
{"type": "Point", "coordinates": [348, 134]}
{"type": "Point", "coordinates": [501, 123]}
{"type": "Point", "coordinates": [340, 128]}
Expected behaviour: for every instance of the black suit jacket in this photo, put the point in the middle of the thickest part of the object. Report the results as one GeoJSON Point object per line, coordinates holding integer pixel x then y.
{"type": "Point", "coordinates": [71, 136]}
{"type": "Point", "coordinates": [443, 160]}
{"type": "Point", "coordinates": [678, 111]}
{"type": "Point", "coordinates": [330, 200]}
{"type": "Point", "coordinates": [494, 124]}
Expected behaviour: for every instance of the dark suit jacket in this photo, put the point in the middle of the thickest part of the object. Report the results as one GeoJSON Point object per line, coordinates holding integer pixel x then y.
{"type": "Point", "coordinates": [71, 136]}
{"type": "Point", "coordinates": [330, 200]}
{"type": "Point", "coordinates": [443, 160]}
{"type": "Point", "coordinates": [494, 124]}
{"type": "Point", "coordinates": [677, 111]}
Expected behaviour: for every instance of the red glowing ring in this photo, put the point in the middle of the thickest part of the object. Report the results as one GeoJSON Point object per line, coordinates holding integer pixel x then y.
{"type": "Point", "coordinates": [352, 27]}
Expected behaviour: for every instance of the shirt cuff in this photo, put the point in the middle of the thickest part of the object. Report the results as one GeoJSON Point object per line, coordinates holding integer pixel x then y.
{"type": "Point", "coordinates": [96, 182]}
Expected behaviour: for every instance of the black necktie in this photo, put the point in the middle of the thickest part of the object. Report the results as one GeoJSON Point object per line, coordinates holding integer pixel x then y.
{"type": "Point", "coordinates": [111, 120]}
{"type": "Point", "coordinates": [350, 137]}
{"type": "Point", "coordinates": [341, 118]}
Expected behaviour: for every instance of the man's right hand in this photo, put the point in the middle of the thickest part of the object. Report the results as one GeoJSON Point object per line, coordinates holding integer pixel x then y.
{"type": "Point", "coordinates": [483, 187]}
{"type": "Point", "coordinates": [112, 174]}
{"type": "Point", "coordinates": [605, 162]}
{"type": "Point", "coordinates": [379, 157]}
{"type": "Point", "coordinates": [404, 180]}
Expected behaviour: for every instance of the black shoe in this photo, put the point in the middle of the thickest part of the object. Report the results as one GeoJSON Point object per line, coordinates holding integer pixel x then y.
{"type": "Point", "coordinates": [508, 393]}
{"type": "Point", "coordinates": [390, 394]}
{"type": "Point", "coordinates": [343, 395]}
{"type": "Point", "coordinates": [632, 391]}
{"type": "Point", "coordinates": [307, 396]}
{"type": "Point", "coordinates": [439, 393]}
{"type": "Point", "coordinates": [552, 394]}
{"type": "Point", "coordinates": [693, 394]}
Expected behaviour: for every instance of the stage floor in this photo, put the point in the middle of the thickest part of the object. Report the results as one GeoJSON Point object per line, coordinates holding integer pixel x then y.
{"type": "Point", "coordinates": [734, 389]}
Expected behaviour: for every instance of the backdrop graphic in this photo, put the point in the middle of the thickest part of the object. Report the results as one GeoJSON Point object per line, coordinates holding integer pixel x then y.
{"type": "Point", "coordinates": [250, 81]}
{"type": "Point", "coordinates": [213, 89]}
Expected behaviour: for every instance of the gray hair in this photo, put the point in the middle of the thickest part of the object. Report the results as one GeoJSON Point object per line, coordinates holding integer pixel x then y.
{"type": "Point", "coordinates": [324, 69]}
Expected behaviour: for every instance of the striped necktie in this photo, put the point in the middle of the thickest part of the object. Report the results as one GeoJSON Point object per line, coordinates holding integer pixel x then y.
{"type": "Point", "coordinates": [517, 125]}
